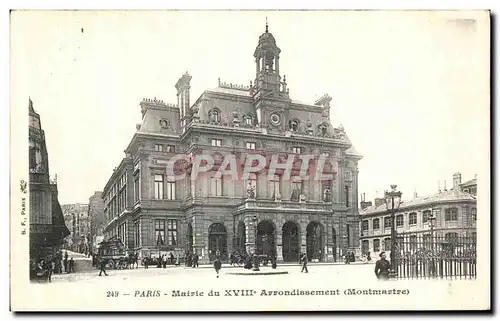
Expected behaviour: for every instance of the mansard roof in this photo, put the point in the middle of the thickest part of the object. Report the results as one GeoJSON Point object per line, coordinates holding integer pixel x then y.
{"type": "Point", "coordinates": [453, 195]}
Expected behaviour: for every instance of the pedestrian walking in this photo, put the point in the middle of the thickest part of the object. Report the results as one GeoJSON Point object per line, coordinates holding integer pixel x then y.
{"type": "Point", "coordinates": [71, 265]}
{"type": "Point", "coordinates": [217, 266]}
{"type": "Point", "coordinates": [102, 266]}
{"type": "Point", "coordinates": [164, 258]}
{"type": "Point", "coordinates": [303, 259]}
{"type": "Point", "coordinates": [146, 262]}
{"type": "Point", "coordinates": [382, 268]}
{"type": "Point", "coordinates": [47, 266]}
{"type": "Point", "coordinates": [65, 263]}
{"type": "Point", "coordinates": [196, 260]}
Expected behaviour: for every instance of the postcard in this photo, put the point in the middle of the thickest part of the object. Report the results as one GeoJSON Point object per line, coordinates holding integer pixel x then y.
{"type": "Point", "coordinates": [250, 160]}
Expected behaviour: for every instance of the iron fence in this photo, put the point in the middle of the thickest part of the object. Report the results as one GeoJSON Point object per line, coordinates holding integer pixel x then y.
{"type": "Point", "coordinates": [427, 256]}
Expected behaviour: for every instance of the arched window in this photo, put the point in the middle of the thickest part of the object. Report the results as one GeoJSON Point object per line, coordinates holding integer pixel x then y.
{"type": "Point", "coordinates": [248, 120]}
{"type": "Point", "coordinates": [214, 115]}
{"type": "Point", "coordinates": [294, 125]}
{"type": "Point", "coordinates": [323, 129]}
{"type": "Point", "coordinates": [164, 123]}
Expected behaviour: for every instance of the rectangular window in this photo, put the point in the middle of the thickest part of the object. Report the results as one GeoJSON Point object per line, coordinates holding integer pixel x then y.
{"type": "Point", "coordinates": [248, 121]}
{"type": "Point", "coordinates": [474, 214]}
{"type": "Point", "coordinates": [451, 214]}
{"type": "Point", "coordinates": [413, 218]}
{"type": "Point", "coordinates": [250, 145]}
{"type": "Point", "coordinates": [387, 222]}
{"type": "Point", "coordinates": [170, 189]}
{"type": "Point", "coordinates": [137, 186]}
{"type": "Point", "coordinates": [365, 225]}
{"type": "Point", "coordinates": [160, 232]}
{"type": "Point", "coordinates": [172, 232]}
{"type": "Point", "coordinates": [425, 216]}
{"type": "Point", "coordinates": [275, 187]}
{"type": "Point", "coordinates": [399, 220]}
{"type": "Point", "coordinates": [297, 150]}
{"type": "Point", "coordinates": [387, 244]}
{"type": "Point", "coordinates": [216, 142]}
{"type": "Point", "coordinates": [216, 186]}
{"type": "Point", "coordinates": [376, 245]}
{"type": "Point", "coordinates": [170, 149]}
{"type": "Point", "coordinates": [159, 187]}
{"type": "Point", "coordinates": [158, 148]}
{"type": "Point", "coordinates": [137, 234]}
{"type": "Point", "coordinates": [376, 223]}
{"type": "Point", "coordinates": [296, 190]}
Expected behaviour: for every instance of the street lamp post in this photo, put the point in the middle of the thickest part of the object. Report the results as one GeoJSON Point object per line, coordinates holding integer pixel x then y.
{"type": "Point", "coordinates": [432, 220]}
{"type": "Point", "coordinates": [255, 220]}
{"type": "Point", "coordinates": [392, 201]}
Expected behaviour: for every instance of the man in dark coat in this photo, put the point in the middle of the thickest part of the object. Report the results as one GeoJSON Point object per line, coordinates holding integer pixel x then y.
{"type": "Point", "coordinates": [102, 266]}
{"type": "Point", "coordinates": [217, 266]}
{"type": "Point", "coordinates": [303, 259]}
{"type": "Point", "coordinates": [66, 262]}
{"type": "Point", "coordinates": [382, 268]}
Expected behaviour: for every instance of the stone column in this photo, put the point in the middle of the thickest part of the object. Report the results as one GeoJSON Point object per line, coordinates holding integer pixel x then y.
{"type": "Point", "coordinates": [198, 238]}
{"type": "Point", "coordinates": [279, 245]}
{"type": "Point", "coordinates": [250, 234]}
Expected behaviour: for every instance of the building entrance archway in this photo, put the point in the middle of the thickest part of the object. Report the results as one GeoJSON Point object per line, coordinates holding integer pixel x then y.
{"type": "Point", "coordinates": [217, 242]}
{"type": "Point", "coordinates": [315, 241]}
{"type": "Point", "coordinates": [291, 241]}
{"type": "Point", "coordinates": [265, 238]}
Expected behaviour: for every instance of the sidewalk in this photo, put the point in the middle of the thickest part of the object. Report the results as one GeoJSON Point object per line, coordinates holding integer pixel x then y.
{"type": "Point", "coordinates": [227, 265]}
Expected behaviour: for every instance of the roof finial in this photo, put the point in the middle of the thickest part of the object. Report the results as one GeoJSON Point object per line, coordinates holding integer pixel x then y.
{"type": "Point", "coordinates": [267, 26]}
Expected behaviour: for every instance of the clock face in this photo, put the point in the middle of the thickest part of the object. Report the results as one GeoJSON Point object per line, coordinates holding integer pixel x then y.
{"type": "Point", "coordinates": [275, 119]}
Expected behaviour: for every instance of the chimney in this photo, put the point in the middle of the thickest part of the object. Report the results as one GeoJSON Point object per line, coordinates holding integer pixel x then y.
{"type": "Point", "coordinates": [183, 88]}
{"type": "Point", "coordinates": [457, 180]}
{"type": "Point", "coordinates": [379, 201]}
{"type": "Point", "coordinates": [364, 204]}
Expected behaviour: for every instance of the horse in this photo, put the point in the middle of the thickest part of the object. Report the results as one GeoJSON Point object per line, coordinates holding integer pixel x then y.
{"type": "Point", "coordinates": [132, 260]}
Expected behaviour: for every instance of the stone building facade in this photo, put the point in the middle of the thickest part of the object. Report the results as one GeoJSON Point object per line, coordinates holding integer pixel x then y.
{"type": "Point", "coordinates": [78, 223]}
{"type": "Point", "coordinates": [97, 219]}
{"type": "Point", "coordinates": [47, 229]}
{"type": "Point", "coordinates": [153, 212]}
{"type": "Point", "coordinates": [455, 212]}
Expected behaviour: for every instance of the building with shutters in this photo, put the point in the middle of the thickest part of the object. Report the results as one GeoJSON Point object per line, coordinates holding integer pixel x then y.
{"type": "Point", "coordinates": [454, 210]}
{"type": "Point", "coordinates": [154, 213]}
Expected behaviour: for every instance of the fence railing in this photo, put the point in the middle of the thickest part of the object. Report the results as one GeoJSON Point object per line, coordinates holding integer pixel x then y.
{"type": "Point", "coordinates": [426, 256]}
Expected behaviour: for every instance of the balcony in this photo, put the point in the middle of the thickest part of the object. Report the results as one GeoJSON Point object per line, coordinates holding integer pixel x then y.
{"type": "Point", "coordinates": [160, 204]}
{"type": "Point", "coordinates": [288, 206]}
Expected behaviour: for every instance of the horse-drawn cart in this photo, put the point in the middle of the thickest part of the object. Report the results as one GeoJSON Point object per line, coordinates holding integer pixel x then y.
{"type": "Point", "coordinates": [116, 254]}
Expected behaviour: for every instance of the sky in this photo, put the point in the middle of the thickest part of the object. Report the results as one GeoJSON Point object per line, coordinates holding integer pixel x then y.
{"type": "Point", "coordinates": [410, 88]}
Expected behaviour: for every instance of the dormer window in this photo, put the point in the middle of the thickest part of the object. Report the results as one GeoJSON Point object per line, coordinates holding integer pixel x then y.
{"type": "Point", "coordinates": [164, 123]}
{"type": "Point", "coordinates": [214, 116]}
{"type": "Point", "coordinates": [323, 129]}
{"type": "Point", "coordinates": [249, 121]}
{"type": "Point", "coordinates": [294, 125]}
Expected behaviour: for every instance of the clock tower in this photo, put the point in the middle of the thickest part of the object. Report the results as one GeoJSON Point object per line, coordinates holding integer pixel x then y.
{"type": "Point", "coordinates": [269, 92]}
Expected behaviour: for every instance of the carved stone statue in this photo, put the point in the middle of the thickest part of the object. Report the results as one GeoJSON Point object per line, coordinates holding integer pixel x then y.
{"type": "Point", "coordinates": [277, 196]}
{"type": "Point", "coordinates": [302, 198]}
{"type": "Point", "coordinates": [250, 191]}
{"type": "Point", "coordinates": [327, 194]}
{"type": "Point", "coordinates": [295, 195]}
